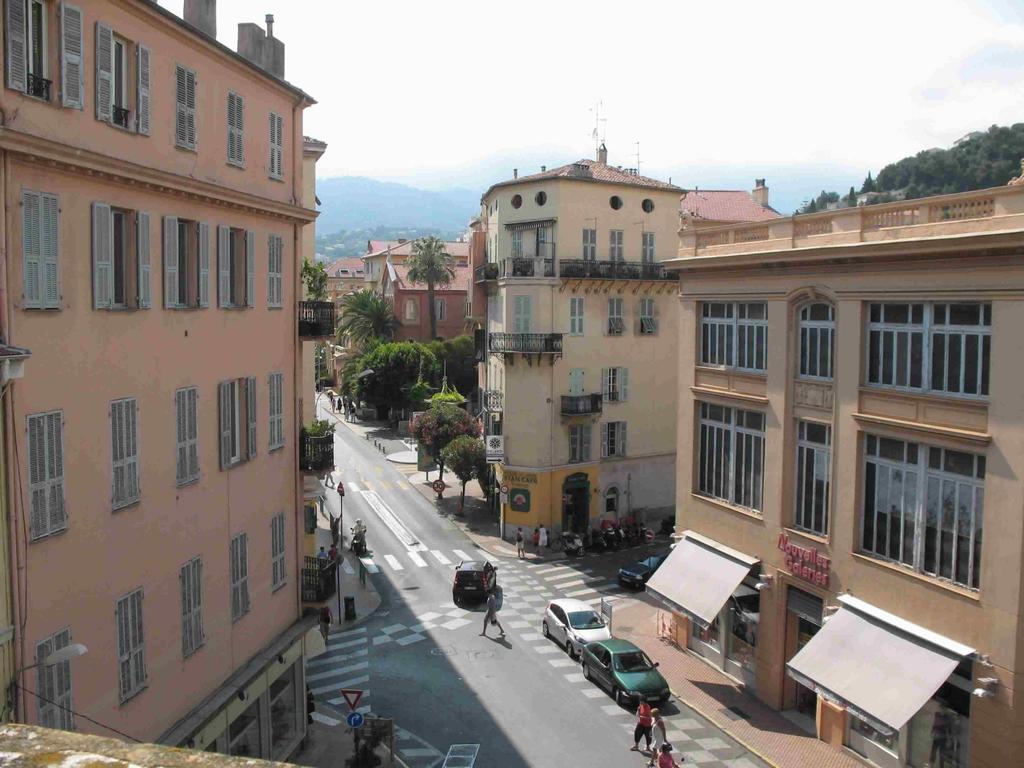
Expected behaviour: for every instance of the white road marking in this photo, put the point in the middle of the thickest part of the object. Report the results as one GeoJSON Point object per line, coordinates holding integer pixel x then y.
{"type": "Point", "coordinates": [532, 637]}
{"type": "Point", "coordinates": [409, 639]}
{"type": "Point", "coordinates": [393, 562]}
{"type": "Point", "coordinates": [415, 557]}
{"type": "Point", "coordinates": [563, 662]}
{"type": "Point", "coordinates": [354, 487]}
{"type": "Point", "coordinates": [579, 592]}
{"type": "Point", "coordinates": [389, 518]}
{"type": "Point", "coordinates": [614, 709]}
{"type": "Point", "coordinates": [346, 643]}
{"type": "Point", "coordinates": [346, 566]}
{"type": "Point", "coordinates": [335, 673]}
{"type": "Point", "coordinates": [592, 693]}
{"type": "Point", "coordinates": [547, 649]}
{"type": "Point", "coordinates": [371, 566]}
{"type": "Point", "coordinates": [573, 583]}
{"type": "Point", "coordinates": [552, 569]}
{"type": "Point", "coordinates": [323, 661]}
{"type": "Point", "coordinates": [440, 558]}
{"type": "Point", "coordinates": [350, 632]}
{"type": "Point", "coordinates": [418, 752]}
{"type": "Point", "coordinates": [330, 721]}
{"type": "Point", "coordinates": [459, 553]}
{"type": "Point", "coordinates": [574, 677]}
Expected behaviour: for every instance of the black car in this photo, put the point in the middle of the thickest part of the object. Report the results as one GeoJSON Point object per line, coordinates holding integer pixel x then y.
{"type": "Point", "coordinates": [474, 578]}
{"type": "Point", "coordinates": [637, 574]}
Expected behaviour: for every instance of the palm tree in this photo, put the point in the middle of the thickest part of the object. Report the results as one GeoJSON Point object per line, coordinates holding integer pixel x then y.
{"type": "Point", "coordinates": [430, 263]}
{"type": "Point", "coordinates": [366, 316]}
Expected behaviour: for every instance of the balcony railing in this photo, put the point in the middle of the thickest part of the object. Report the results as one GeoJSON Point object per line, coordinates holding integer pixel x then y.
{"type": "Point", "coordinates": [484, 272]}
{"type": "Point", "coordinates": [319, 581]}
{"type": "Point", "coordinates": [612, 270]}
{"type": "Point", "coordinates": [316, 453]}
{"type": "Point", "coordinates": [316, 319]}
{"type": "Point", "coordinates": [582, 405]}
{"type": "Point", "coordinates": [120, 116]}
{"type": "Point", "coordinates": [527, 343]}
{"type": "Point", "coordinates": [494, 400]}
{"type": "Point", "coordinates": [522, 266]}
{"type": "Point", "coordinates": [37, 86]}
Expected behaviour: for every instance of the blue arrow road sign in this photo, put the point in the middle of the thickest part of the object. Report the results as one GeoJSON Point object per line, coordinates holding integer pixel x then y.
{"type": "Point", "coordinates": [354, 719]}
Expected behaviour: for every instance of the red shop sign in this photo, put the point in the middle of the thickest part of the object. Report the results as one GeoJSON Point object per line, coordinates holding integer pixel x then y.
{"type": "Point", "coordinates": [805, 562]}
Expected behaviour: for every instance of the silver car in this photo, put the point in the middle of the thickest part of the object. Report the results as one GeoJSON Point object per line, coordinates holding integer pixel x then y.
{"type": "Point", "coordinates": [572, 624]}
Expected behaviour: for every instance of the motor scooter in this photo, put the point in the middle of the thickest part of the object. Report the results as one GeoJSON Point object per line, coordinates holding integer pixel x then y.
{"type": "Point", "coordinates": [571, 542]}
{"type": "Point", "coordinates": [358, 542]}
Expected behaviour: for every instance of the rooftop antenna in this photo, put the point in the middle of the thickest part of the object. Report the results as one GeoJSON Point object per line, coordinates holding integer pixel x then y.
{"type": "Point", "coordinates": [598, 133]}
{"type": "Point", "coordinates": [637, 157]}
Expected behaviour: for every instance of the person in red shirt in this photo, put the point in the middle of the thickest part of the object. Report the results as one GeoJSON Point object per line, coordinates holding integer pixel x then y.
{"type": "Point", "coordinates": [665, 759]}
{"type": "Point", "coordinates": [644, 722]}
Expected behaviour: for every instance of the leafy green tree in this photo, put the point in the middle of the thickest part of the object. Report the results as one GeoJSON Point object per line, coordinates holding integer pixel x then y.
{"type": "Point", "coordinates": [851, 198]}
{"type": "Point", "coordinates": [868, 185]}
{"type": "Point", "coordinates": [395, 367]}
{"type": "Point", "coordinates": [314, 277]}
{"type": "Point", "coordinates": [441, 424]}
{"type": "Point", "coordinates": [463, 455]}
{"type": "Point", "coordinates": [431, 265]}
{"type": "Point", "coordinates": [366, 315]}
{"type": "Point", "coordinates": [482, 472]}
{"type": "Point", "coordinates": [457, 359]}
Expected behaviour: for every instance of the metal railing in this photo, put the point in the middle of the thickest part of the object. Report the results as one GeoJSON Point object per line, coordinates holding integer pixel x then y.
{"type": "Point", "coordinates": [493, 400]}
{"type": "Point", "coordinates": [316, 454]}
{"type": "Point", "coordinates": [319, 580]}
{"type": "Point", "coordinates": [120, 115]}
{"type": "Point", "coordinates": [38, 86]}
{"type": "Point", "coordinates": [529, 343]}
{"type": "Point", "coordinates": [613, 270]}
{"type": "Point", "coordinates": [484, 272]}
{"type": "Point", "coordinates": [316, 319]}
{"type": "Point", "coordinates": [527, 267]}
{"type": "Point", "coordinates": [582, 405]}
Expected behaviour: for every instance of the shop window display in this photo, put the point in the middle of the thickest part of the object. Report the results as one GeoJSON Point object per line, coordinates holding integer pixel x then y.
{"type": "Point", "coordinates": [937, 735]}
{"type": "Point", "coordinates": [244, 733]}
{"type": "Point", "coordinates": [744, 615]}
{"type": "Point", "coordinates": [282, 713]}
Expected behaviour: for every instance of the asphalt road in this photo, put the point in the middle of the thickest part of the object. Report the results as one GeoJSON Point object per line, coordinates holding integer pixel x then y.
{"type": "Point", "coordinates": [422, 661]}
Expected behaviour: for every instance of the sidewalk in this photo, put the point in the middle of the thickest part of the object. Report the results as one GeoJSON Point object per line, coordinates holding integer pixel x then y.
{"type": "Point", "coordinates": [329, 742]}
{"type": "Point", "coordinates": [760, 729]}
{"type": "Point", "coordinates": [366, 597]}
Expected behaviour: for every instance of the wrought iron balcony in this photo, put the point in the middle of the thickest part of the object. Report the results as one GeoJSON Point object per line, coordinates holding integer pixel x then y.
{"type": "Point", "coordinates": [485, 272]}
{"type": "Point", "coordinates": [316, 454]}
{"type": "Point", "coordinates": [316, 319]}
{"type": "Point", "coordinates": [527, 343]}
{"type": "Point", "coordinates": [523, 266]}
{"type": "Point", "coordinates": [120, 116]}
{"type": "Point", "coordinates": [318, 579]}
{"type": "Point", "coordinates": [494, 400]}
{"type": "Point", "coordinates": [582, 405]}
{"type": "Point", "coordinates": [613, 270]}
{"type": "Point", "coordinates": [37, 86]}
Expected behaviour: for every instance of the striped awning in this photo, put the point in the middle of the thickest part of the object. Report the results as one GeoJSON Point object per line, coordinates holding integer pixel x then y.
{"type": "Point", "coordinates": [512, 226]}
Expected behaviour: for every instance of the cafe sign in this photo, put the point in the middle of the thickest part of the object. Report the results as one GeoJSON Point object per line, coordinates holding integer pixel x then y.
{"type": "Point", "coordinates": [805, 562]}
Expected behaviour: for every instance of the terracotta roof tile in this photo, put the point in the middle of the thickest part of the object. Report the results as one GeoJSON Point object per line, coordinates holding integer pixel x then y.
{"type": "Point", "coordinates": [591, 170]}
{"type": "Point", "coordinates": [725, 205]}
{"type": "Point", "coordinates": [353, 264]}
{"type": "Point", "coordinates": [461, 281]}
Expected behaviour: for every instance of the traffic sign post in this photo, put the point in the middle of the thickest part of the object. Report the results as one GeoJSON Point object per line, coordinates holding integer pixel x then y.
{"type": "Point", "coordinates": [352, 697]}
{"type": "Point", "coordinates": [438, 486]}
{"type": "Point", "coordinates": [354, 719]}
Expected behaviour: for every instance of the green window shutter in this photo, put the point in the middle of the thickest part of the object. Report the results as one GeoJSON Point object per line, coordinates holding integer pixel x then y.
{"type": "Point", "coordinates": [31, 249]}
{"type": "Point", "coordinates": [226, 417]}
{"type": "Point", "coordinates": [623, 384]}
{"type": "Point", "coordinates": [250, 402]}
{"type": "Point", "coordinates": [250, 268]}
{"type": "Point", "coordinates": [49, 241]}
{"type": "Point", "coordinates": [224, 266]}
{"type": "Point", "coordinates": [71, 46]}
{"type": "Point", "coordinates": [204, 264]}
{"type": "Point", "coordinates": [142, 58]}
{"type": "Point", "coordinates": [16, 26]}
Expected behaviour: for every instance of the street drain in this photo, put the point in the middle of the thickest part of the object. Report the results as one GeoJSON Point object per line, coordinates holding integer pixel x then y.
{"type": "Point", "coordinates": [735, 713]}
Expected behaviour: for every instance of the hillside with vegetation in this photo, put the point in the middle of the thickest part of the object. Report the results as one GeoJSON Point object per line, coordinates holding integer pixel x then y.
{"type": "Point", "coordinates": [980, 160]}
{"type": "Point", "coordinates": [352, 242]}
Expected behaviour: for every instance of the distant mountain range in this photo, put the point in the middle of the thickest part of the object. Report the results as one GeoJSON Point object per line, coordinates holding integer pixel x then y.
{"type": "Point", "coordinates": [357, 203]}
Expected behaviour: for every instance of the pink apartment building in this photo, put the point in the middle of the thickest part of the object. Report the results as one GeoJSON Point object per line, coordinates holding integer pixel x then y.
{"type": "Point", "coordinates": [154, 207]}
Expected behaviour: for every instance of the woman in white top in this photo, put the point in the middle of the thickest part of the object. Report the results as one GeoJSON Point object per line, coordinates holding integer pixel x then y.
{"type": "Point", "coordinates": [659, 733]}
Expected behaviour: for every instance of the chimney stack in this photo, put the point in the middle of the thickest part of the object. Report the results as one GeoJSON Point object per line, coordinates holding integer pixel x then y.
{"type": "Point", "coordinates": [760, 193]}
{"type": "Point", "coordinates": [261, 47]}
{"type": "Point", "coordinates": [202, 14]}
{"type": "Point", "coordinates": [543, 168]}
{"type": "Point", "coordinates": [515, 173]}
{"type": "Point", "coordinates": [269, 18]}
{"type": "Point", "coordinates": [602, 154]}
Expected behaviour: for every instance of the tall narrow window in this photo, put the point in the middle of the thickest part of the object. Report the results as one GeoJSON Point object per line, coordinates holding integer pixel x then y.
{"type": "Point", "coordinates": [120, 83]}
{"type": "Point", "coordinates": [817, 334]}
{"type": "Point", "coordinates": [734, 335]}
{"type": "Point", "coordinates": [730, 463]}
{"type": "Point", "coordinates": [522, 314]}
{"type": "Point", "coordinates": [46, 474]}
{"type": "Point", "coordinates": [39, 237]}
{"type": "Point", "coordinates": [648, 317]}
{"type": "Point", "coordinates": [186, 406]}
{"type": "Point", "coordinates": [53, 683]}
{"type": "Point", "coordinates": [647, 248]}
{"type": "Point", "coordinates": [590, 244]}
{"type": "Point", "coordinates": [239, 576]}
{"type": "Point", "coordinates": [185, 108]}
{"type": "Point", "coordinates": [278, 575]}
{"type": "Point", "coordinates": [125, 451]}
{"type": "Point", "coordinates": [275, 280]}
{"type": "Point", "coordinates": [576, 316]}
{"type": "Point", "coordinates": [615, 245]}
{"type": "Point", "coordinates": [236, 264]}
{"type": "Point", "coordinates": [613, 439]}
{"type": "Point", "coordinates": [440, 309]}
{"type": "Point", "coordinates": [71, 81]}
{"type": "Point", "coordinates": [237, 419]}
{"type": "Point", "coordinates": [38, 82]}
{"type": "Point", "coordinates": [579, 443]}
{"type": "Point", "coordinates": [191, 580]}
{"type": "Point", "coordinates": [616, 324]}
{"type": "Point", "coordinates": [813, 476]}
{"type": "Point", "coordinates": [517, 244]}
{"type": "Point", "coordinates": [236, 129]}
{"type": "Point", "coordinates": [275, 396]}
{"type": "Point", "coordinates": [120, 258]}
{"type": "Point", "coordinates": [130, 650]}
{"type": "Point", "coordinates": [276, 161]}
{"type": "Point", "coordinates": [615, 384]}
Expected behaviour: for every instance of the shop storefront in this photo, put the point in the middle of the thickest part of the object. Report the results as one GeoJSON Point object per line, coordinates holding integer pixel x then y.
{"type": "Point", "coordinates": [804, 614]}
{"type": "Point", "coordinates": [715, 589]}
{"type": "Point", "coordinates": [896, 693]}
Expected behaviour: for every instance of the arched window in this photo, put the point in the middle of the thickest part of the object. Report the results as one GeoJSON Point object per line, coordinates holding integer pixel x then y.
{"type": "Point", "coordinates": [817, 337]}
{"type": "Point", "coordinates": [410, 309]}
{"type": "Point", "coordinates": [611, 502]}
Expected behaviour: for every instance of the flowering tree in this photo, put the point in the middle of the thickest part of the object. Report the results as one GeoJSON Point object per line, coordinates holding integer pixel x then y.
{"type": "Point", "coordinates": [441, 424]}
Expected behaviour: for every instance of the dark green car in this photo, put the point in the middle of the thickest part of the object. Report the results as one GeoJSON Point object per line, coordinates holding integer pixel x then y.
{"type": "Point", "coordinates": [625, 671]}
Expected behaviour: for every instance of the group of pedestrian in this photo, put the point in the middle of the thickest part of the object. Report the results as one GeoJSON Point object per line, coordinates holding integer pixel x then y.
{"type": "Point", "coordinates": [651, 726]}
{"type": "Point", "coordinates": [540, 541]}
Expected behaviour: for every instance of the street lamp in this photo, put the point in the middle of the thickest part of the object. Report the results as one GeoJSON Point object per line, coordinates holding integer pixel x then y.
{"type": "Point", "coordinates": [59, 656]}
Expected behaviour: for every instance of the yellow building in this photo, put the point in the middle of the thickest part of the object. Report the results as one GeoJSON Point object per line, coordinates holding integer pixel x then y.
{"type": "Point", "coordinates": [580, 360]}
{"type": "Point", "coordinates": [849, 472]}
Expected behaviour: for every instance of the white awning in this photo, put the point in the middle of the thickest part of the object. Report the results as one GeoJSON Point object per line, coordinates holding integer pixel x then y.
{"type": "Point", "coordinates": [881, 667]}
{"type": "Point", "coordinates": [698, 577]}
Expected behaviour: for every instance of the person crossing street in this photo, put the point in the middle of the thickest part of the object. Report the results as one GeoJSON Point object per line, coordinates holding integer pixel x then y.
{"type": "Point", "coordinates": [491, 616]}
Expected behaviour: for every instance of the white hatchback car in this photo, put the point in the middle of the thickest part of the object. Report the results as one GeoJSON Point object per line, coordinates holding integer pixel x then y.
{"type": "Point", "coordinates": [573, 624]}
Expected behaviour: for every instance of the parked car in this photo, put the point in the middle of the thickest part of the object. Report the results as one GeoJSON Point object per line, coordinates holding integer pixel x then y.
{"type": "Point", "coordinates": [474, 578]}
{"type": "Point", "coordinates": [573, 624]}
{"type": "Point", "coordinates": [625, 671]}
{"type": "Point", "coordinates": [635, 576]}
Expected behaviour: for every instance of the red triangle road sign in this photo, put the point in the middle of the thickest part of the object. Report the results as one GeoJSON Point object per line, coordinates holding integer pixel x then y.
{"type": "Point", "coordinates": [352, 696]}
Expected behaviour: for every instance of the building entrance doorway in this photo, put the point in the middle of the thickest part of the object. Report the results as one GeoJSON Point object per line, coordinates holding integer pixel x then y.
{"type": "Point", "coordinates": [803, 620]}
{"type": "Point", "coordinates": [576, 503]}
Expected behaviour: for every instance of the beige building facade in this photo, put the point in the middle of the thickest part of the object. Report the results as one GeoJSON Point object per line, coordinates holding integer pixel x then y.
{"type": "Point", "coordinates": [849, 463]}
{"type": "Point", "coordinates": [152, 181]}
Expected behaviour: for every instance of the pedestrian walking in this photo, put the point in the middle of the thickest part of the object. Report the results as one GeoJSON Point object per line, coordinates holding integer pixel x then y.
{"type": "Point", "coordinates": [332, 553]}
{"type": "Point", "coordinates": [660, 735]}
{"type": "Point", "coordinates": [644, 722]}
{"type": "Point", "coordinates": [536, 540]}
{"type": "Point", "coordinates": [322, 554]}
{"type": "Point", "coordinates": [335, 525]}
{"type": "Point", "coordinates": [329, 479]}
{"type": "Point", "coordinates": [665, 759]}
{"type": "Point", "coordinates": [326, 619]}
{"type": "Point", "coordinates": [491, 617]}
{"type": "Point", "coordinates": [543, 537]}
{"type": "Point", "coordinates": [520, 544]}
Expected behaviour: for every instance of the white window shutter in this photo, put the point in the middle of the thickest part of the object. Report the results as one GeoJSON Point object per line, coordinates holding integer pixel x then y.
{"type": "Point", "coordinates": [623, 384]}
{"type": "Point", "coordinates": [181, 422]}
{"type": "Point", "coordinates": [250, 403]}
{"type": "Point", "coordinates": [104, 72]}
{"type": "Point", "coordinates": [604, 440]}
{"type": "Point", "coordinates": [117, 450]}
{"type": "Point", "coordinates": [226, 422]}
{"type": "Point", "coordinates": [605, 383]}
{"type": "Point", "coordinates": [585, 450]}
{"type": "Point", "coordinates": [71, 75]}
{"type": "Point", "coordinates": [224, 266]}
{"type": "Point", "coordinates": [16, 25]}
{"type": "Point", "coordinates": [37, 476]}
{"type": "Point", "coordinates": [250, 268]}
{"type": "Point", "coordinates": [190, 107]}
{"type": "Point", "coordinates": [204, 264]}
{"type": "Point", "coordinates": [171, 271]}
{"type": "Point", "coordinates": [142, 252]}
{"type": "Point", "coordinates": [131, 442]}
{"type": "Point", "coordinates": [55, 463]}
{"type": "Point", "coordinates": [197, 603]}
{"type": "Point", "coordinates": [180, 106]}
{"type": "Point", "coordinates": [142, 67]}
{"type": "Point", "coordinates": [185, 579]}
{"type": "Point", "coordinates": [102, 256]}
{"type": "Point", "coordinates": [31, 249]}
{"type": "Point", "coordinates": [192, 434]}
{"type": "Point", "coordinates": [49, 241]}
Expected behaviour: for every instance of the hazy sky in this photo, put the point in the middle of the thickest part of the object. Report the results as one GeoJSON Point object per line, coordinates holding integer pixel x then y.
{"type": "Point", "coordinates": [449, 93]}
